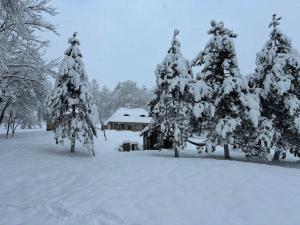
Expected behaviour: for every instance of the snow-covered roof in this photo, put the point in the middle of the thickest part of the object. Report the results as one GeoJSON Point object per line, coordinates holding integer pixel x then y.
{"type": "Point", "coordinates": [130, 115]}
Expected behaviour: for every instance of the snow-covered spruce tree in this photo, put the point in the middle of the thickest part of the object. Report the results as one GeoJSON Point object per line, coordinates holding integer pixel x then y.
{"type": "Point", "coordinates": [171, 109]}
{"type": "Point", "coordinates": [71, 105]}
{"type": "Point", "coordinates": [277, 81]}
{"type": "Point", "coordinates": [222, 101]}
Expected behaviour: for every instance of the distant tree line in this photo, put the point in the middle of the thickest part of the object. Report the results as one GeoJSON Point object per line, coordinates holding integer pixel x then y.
{"type": "Point", "coordinates": [125, 93]}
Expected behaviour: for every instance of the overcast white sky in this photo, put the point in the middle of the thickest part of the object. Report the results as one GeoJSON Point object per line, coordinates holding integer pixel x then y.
{"type": "Point", "coordinates": [126, 39]}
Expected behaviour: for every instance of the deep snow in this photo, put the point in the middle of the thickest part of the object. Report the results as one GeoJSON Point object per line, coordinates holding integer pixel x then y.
{"type": "Point", "coordinates": [43, 184]}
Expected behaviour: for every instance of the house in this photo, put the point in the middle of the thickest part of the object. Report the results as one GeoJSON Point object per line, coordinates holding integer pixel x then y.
{"type": "Point", "coordinates": [134, 119]}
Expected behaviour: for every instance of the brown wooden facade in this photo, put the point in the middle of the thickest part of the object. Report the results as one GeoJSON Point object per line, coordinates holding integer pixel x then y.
{"type": "Point", "coordinates": [131, 126]}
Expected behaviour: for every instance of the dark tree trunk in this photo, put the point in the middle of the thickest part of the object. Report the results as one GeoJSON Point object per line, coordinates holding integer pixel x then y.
{"type": "Point", "coordinates": [73, 139]}
{"type": "Point", "coordinates": [13, 132]}
{"type": "Point", "coordinates": [4, 109]}
{"type": "Point", "coordinates": [7, 132]}
{"type": "Point", "coordinates": [226, 152]}
{"type": "Point", "coordinates": [103, 128]}
{"type": "Point", "coordinates": [104, 133]}
{"type": "Point", "coordinates": [14, 127]}
{"type": "Point", "coordinates": [176, 153]}
{"type": "Point", "coordinates": [72, 145]}
{"type": "Point", "coordinates": [276, 156]}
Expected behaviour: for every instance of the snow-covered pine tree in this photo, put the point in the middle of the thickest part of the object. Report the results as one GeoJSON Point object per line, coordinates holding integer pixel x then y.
{"type": "Point", "coordinates": [171, 108]}
{"type": "Point", "coordinates": [221, 96]}
{"type": "Point", "coordinates": [277, 81]}
{"type": "Point", "coordinates": [71, 105]}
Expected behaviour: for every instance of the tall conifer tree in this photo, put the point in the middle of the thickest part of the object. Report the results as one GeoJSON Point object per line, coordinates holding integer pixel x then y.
{"type": "Point", "coordinates": [277, 81]}
{"type": "Point", "coordinates": [71, 104]}
{"type": "Point", "coordinates": [221, 96]}
{"type": "Point", "coordinates": [170, 108]}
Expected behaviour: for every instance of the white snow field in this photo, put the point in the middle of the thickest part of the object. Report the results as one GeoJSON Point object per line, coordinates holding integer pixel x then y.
{"type": "Point", "coordinates": [41, 183]}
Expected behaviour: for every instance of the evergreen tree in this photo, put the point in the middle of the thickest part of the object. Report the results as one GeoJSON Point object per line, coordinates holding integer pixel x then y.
{"type": "Point", "coordinates": [221, 96]}
{"type": "Point", "coordinates": [170, 107]}
{"type": "Point", "coordinates": [71, 104]}
{"type": "Point", "coordinates": [277, 81]}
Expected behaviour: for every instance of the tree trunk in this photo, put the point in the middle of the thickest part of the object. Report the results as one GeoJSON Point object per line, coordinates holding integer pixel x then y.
{"type": "Point", "coordinates": [7, 132]}
{"type": "Point", "coordinates": [4, 109]}
{"type": "Point", "coordinates": [72, 145]}
{"type": "Point", "coordinates": [73, 139]}
{"type": "Point", "coordinates": [13, 132]}
{"type": "Point", "coordinates": [104, 134]}
{"type": "Point", "coordinates": [226, 152]}
{"type": "Point", "coordinates": [15, 125]}
{"type": "Point", "coordinates": [13, 129]}
{"type": "Point", "coordinates": [276, 156]}
{"type": "Point", "coordinates": [176, 153]}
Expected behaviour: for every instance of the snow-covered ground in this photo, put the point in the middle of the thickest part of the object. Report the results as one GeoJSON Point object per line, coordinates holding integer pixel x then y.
{"type": "Point", "coordinates": [41, 183]}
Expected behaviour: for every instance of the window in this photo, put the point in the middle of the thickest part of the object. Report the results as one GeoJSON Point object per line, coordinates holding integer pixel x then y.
{"type": "Point", "coordinates": [129, 127]}
{"type": "Point", "coordinates": [126, 114]}
{"type": "Point", "coordinates": [142, 115]}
